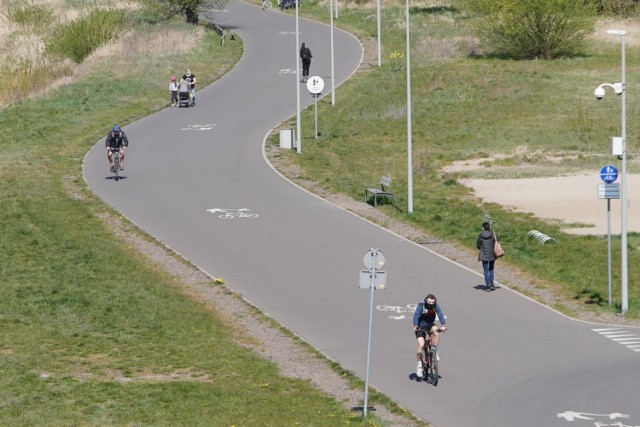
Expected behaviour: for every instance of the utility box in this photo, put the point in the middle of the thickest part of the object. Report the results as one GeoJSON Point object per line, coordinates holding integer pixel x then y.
{"type": "Point", "coordinates": [286, 138]}
{"type": "Point", "coordinates": [616, 146]}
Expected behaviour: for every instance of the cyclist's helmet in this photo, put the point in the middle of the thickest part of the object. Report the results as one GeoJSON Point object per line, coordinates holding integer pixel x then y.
{"type": "Point", "coordinates": [116, 128]}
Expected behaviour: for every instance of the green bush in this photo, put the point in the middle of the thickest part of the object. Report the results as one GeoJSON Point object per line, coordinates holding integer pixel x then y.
{"type": "Point", "coordinates": [79, 38]}
{"type": "Point", "coordinates": [535, 29]}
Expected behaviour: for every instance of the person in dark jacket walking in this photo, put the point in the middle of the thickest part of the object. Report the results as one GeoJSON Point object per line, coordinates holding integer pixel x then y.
{"type": "Point", "coordinates": [305, 55]}
{"type": "Point", "coordinates": [486, 240]}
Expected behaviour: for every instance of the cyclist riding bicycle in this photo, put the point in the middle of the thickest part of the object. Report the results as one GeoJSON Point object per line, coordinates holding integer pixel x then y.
{"type": "Point", "coordinates": [116, 140]}
{"type": "Point", "coordinates": [424, 320]}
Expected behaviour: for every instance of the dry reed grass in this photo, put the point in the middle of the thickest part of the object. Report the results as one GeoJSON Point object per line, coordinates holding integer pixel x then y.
{"type": "Point", "coordinates": [23, 63]}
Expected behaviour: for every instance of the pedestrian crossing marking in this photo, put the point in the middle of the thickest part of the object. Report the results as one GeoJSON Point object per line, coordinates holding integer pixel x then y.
{"type": "Point", "coordinates": [628, 338]}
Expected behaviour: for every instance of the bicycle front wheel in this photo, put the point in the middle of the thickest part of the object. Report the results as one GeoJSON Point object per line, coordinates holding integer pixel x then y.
{"type": "Point", "coordinates": [433, 358]}
{"type": "Point", "coordinates": [116, 164]}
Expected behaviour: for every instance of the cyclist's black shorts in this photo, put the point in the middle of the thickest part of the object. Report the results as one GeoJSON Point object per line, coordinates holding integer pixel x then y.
{"type": "Point", "coordinates": [423, 332]}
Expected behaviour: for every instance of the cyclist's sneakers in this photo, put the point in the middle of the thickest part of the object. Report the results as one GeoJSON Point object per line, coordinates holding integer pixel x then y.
{"type": "Point", "coordinates": [112, 169]}
{"type": "Point", "coordinates": [121, 167]}
{"type": "Point", "coordinates": [419, 370]}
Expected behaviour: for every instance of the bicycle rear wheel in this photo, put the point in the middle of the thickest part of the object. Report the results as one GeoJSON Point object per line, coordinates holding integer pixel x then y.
{"type": "Point", "coordinates": [433, 367]}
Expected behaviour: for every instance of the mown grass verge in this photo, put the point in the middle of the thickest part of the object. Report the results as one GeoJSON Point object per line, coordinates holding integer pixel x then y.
{"type": "Point", "coordinates": [468, 105]}
{"type": "Point", "coordinates": [90, 332]}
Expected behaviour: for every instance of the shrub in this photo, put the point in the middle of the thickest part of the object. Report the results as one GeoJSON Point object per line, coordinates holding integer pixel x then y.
{"type": "Point", "coordinates": [28, 75]}
{"type": "Point", "coordinates": [79, 38]}
{"type": "Point", "coordinates": [535, 29]}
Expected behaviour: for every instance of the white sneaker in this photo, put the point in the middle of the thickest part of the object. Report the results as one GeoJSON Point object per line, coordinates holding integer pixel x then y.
{"type": "Point", "coordinates": [419, 370]}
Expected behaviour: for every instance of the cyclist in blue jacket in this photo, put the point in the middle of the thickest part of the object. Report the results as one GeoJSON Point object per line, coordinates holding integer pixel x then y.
{"type": "Point", "coordinates": [424, 320]}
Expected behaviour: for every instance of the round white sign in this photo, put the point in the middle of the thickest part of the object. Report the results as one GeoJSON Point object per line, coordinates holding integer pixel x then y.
{"type": "Point", "coordinates": [369, 256]}
{"type": "Point", "coordinates": [315, 84]}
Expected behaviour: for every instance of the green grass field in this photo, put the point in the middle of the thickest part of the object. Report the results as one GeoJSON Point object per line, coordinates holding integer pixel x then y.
{"type": "Point", "coordinates": [468, 105]}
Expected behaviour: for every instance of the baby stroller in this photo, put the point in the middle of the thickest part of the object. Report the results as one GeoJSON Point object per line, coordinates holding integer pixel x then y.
{"type": "Point", "coordinates": [184, 95]}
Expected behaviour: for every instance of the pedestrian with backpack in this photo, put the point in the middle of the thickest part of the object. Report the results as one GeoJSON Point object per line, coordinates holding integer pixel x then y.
{"type": "Point", "coordinates": [305, 55]}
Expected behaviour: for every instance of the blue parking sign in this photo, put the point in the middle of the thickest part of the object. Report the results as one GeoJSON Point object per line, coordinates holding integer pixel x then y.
{"type": "Point", "coordinates": [608, 174]}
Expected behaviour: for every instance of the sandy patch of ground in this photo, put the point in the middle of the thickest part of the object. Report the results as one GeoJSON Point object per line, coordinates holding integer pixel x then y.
{"type": "Point", "coordinates": [568, 199]}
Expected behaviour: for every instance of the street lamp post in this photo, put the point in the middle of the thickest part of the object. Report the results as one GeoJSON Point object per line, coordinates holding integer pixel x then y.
{"type": "Point", "coordinates": [621, 89]}
{"type": "Point", "coordinates": [409, 130]}
{"type": "Point", "coordinates": [298, 130]}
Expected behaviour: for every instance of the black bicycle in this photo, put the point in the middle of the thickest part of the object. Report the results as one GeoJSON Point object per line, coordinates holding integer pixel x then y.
{"type": "Point", "coordinates": [430, 360]}
{"type": "Point", "coordinates": [115, 152]}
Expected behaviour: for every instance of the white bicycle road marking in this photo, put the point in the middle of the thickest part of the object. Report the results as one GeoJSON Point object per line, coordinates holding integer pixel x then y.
{"type": "Point", "coordinates": [287, 71]}
{"type": "Point", "coordinates": [200, 127]}
{"type": "Point", "coordinates": [401, 310]}
{"type": "Point", "coordinates": [629, 339]}
{"type": "Point", "coordinates": [233, 213]}
{"type": "Point", "coordinates": [283, 33]}
{"type": "Point", "coordinates": [579, 416]}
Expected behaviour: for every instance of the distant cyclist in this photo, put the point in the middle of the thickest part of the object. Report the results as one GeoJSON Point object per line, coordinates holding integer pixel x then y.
{"type": "Point", "coordinates": [424, 320]}
{"type": "Point", "coordinates": [116, 140]}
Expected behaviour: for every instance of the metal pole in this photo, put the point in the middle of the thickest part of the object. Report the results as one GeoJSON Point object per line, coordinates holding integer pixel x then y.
{"type": "Point", "coordinates": [333, 73]}
{"type": "Point", "coordinates": [409, 131]}
{"type": "Point", "coordinates": [315, 107]}
{"type": "Point", "coordinates": [379, 47]}
{"type": "Point", "coordinates": [373, 287]}
{"type": "Point", "coordinates": [609, 247]}
{"type": "Point", "coordinates": [298, 136]}
{"type": "Point", "coordinates": [625, 297]}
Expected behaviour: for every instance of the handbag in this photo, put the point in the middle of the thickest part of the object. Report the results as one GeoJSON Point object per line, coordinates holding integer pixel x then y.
{"type": "Point", "coordinates": [497, 247]}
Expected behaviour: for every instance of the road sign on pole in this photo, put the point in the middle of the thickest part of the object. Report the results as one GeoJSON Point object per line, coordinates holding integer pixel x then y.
{"type": "Point", "coordinates": [315, 84]}
{"type": "Point", "coordinates": [609, 191]}
{"type": "Point", "coordinates": [372, 279]}
{"type": "Point", "coordinates": [608, 174]}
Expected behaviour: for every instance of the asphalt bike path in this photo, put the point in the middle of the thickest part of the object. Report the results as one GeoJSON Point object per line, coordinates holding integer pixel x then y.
{"type": "Point", "coordinates": [196, 179]}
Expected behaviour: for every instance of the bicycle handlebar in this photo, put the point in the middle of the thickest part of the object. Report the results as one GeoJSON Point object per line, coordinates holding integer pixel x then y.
{"type": "Point", "coordinates": [430, 332]}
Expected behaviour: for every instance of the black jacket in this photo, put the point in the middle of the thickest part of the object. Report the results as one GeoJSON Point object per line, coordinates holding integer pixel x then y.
{"type": "Point", "coordinates": [486, 240]}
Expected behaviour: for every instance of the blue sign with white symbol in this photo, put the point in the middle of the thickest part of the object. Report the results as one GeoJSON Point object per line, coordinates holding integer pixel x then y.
{"type": "Point", "coordinates": [608, 174]}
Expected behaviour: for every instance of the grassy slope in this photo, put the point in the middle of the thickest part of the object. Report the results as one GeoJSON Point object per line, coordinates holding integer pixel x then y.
{"type": "Point", "coordinates": [465, 106]}
{"type": "Point", "coordinates": [81, 314]}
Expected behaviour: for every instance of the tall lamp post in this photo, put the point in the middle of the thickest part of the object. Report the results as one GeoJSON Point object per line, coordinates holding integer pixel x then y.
{"type": "Point", "coordinates": [621, 89]}
{"type": "Point", "coordinates": [298, 131]}
{"type": "Point", "coordinates": [409, 131]}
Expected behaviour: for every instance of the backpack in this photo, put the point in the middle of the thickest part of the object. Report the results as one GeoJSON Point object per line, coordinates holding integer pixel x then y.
{"type": "Point", "coordinates": [305, 54]}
